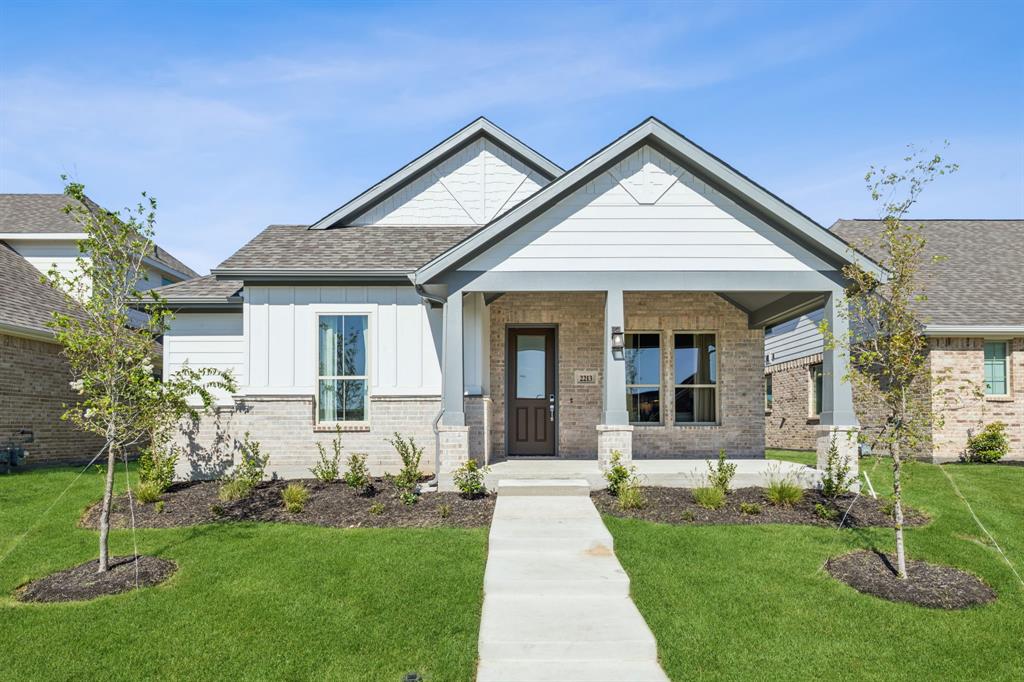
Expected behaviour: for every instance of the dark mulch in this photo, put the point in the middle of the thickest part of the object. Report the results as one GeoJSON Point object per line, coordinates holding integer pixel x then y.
{"type": "Point", "coordinates": [931, 585]}
{"type": "Point", "coordinates": [330, 504]}
{"type": "Point", "coordinates": [83, 582]}
{"type": "Point", "coordinates": [676, 506]}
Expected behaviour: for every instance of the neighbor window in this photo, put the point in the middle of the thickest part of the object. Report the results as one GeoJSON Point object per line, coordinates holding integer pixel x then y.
{"type": "Point", "coordinates": [643, 377]}
{"type": "Point", "coordinates": [767, 392]}
{"type": "Point", "coordinates": [342, 381]}
{"type": "Point", "coordinates": [816, 390]}
{"type": "Point", "coordinates": [696, 378]}
{"type": "Point", "coordinates": [995, 368]}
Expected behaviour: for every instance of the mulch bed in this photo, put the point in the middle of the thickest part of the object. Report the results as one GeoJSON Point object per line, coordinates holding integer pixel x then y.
{"type": "Point", "coordinates": [83, 582]}
{"type": "Point", "coordinates": [330, 504]}
{"type": "Point", "coordinates": [676, 506]}
{"type": "Point", "coordinates": [930, 585]}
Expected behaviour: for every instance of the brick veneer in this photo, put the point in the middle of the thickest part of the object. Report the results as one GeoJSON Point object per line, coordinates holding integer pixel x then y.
{"type": "Point", "coordinates": [33, 391]}
{"type": "Point", "coordinates": [789, 424]}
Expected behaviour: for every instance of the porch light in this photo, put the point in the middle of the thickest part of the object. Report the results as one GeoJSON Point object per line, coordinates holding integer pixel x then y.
{"type": "Point", "coordinates": [618, 343]}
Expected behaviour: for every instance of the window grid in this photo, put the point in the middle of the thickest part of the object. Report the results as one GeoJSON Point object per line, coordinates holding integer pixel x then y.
{"type": "Point", "coordinates": [996, 374]}
{"type": "Point", "coordinates": [817, 380]}
{"type": "Point", "coordinates": [709, 387]}
{"type": "Point", "coordinates": [345, 379]}
{"type": "Point", "coordinates": [635, 389]}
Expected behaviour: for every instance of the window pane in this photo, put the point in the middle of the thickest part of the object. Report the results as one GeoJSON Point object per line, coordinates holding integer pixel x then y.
{"type": "Point", "coordinates": [768, 392]}
{"type": "Point", "coordinates": [643, 359]}
{"type": "Point", "coordinates": [696, 359]}
{"type": "Point", "coordinates": [354, 358]}
{"type": "Point", "coordinates": [643, 404]}
{"type": "Point", "coordinates": [343, 345]}
{"type": "Point", "coordinates": [995, 368]}
{"type": "Point", "coordinates": [342, 400]}
{"type": "Point", "coordinates": [816, 381]}
{"type": "Point", "coordinates": [694, 405]}
{"type": "Point", "coordinates": [531, 366]}
{"type": "Point", "coordinates": [330, 345]}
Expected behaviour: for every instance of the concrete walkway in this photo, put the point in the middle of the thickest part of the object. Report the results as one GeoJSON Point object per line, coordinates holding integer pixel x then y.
{"type": "Point", "coordinates": [556, 600]}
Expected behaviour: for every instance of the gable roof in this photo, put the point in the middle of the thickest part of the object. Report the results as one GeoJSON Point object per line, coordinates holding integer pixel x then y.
{"type": "Point", "coordinates": [201, 291]}
{"type": "Point", "coordinates": [26, 303]}
{"type": "Point", "coordinates": [35, 214]}
{"type": "Point", "coordinates": [481, 127]}
{"type": "Point", "coordinates": [979, 282]}
{"type": "Point", "coordinates": [693, 158]}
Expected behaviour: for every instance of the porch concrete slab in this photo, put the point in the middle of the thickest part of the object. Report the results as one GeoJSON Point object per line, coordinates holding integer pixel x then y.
{"type": "Point", "coordinates": [543, 487]}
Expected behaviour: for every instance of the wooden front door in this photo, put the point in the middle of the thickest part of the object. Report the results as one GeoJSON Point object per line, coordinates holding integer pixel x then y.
{"type": "Point", "coordinates": [532, 403]}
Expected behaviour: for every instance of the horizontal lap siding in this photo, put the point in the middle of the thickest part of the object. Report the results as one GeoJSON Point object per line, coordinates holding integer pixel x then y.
{"type": "Point", "coordinates": [206, 340]}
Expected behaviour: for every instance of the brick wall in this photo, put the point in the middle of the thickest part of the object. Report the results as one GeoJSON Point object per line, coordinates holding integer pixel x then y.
{"type": "Point", "coordinates": [789, 424]}
{"type": "Point", "coordinates": [33, 390]}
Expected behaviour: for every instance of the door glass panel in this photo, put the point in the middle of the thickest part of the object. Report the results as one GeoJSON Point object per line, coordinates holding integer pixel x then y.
{"type": "Point", "coordinates": [531, 365]}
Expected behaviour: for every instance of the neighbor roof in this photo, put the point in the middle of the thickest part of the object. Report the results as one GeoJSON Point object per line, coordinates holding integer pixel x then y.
{"type": "Point", "coordinates": [203, 290]}
{"type": "Point", "coordinates": [26, 303]}
{"type": "Point", "coordinates": [979, 282]}
{"type": "Point", "coordinates": [30, 214]}
{"type": "Point", "coordinates": [481, 127]}
{"type": "Point", "coordinates": [371, 249]}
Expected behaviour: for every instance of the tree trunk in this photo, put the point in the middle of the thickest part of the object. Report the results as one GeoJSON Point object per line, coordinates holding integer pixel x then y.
{"type": "Point", "coordinates": [897, 512]}
{"type": "Point", "coordinates": [108, 497]}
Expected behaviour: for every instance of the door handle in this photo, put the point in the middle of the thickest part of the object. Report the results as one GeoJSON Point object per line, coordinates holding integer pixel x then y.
{"type": "Point", "coordinates": [551, 407]}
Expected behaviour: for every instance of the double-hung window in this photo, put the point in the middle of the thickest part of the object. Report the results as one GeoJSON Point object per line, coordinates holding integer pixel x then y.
{"type": "Point", "coordinates": [696, 378]}
{"type": "Point", "coordinates": [996, 373]}
{"type": "Point", "coordinates": [342, 379]}
{"type": "Point", "coordinates": [817, 386]}
{"type": "Point", "coordinates": [643, 377]}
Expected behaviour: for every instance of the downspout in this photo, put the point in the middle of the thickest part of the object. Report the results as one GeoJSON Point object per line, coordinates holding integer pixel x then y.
{"type": "Point", "coordinates": [443, 302]}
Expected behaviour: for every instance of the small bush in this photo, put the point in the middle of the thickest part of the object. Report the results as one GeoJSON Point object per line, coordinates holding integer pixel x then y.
{"type": "Point", "coordinates": [469, 479]}
{"type": "Point", "coordinates": [156, 467]}
{"type": "Point", "coordinates": [783, 492]}
{"type": "Point", "coordinates": [217, 510]}
{"type": "Point", "coordinates": [750, 508]}
{"type": "Point", "coordinates": [295, 497]}
{"type": "Point", "coordinates": [988, 445]}
{"type": "Point", "coordinates": [377, 509]}
{"type": "Point", "coordinates": [148, 491]}
{"type": "Point", "coordinates": [408, 478]}
{"type": "Point", "coordinates": [617, 474]}
{"type": "Point", "coordinates": [445, 510]}
{"type": "Point", "coordinates": [835, 480]}
{"type": "Point", "coordinates": [253, 464]}
{"type": "Point", "coordinates": [357, 476]}
{"type": "Point", "coordinates": [159, 506]}
{"type": "Point", "coordinates": [631, 495]}
{"type": "Point", "coordinates": [889, 507]}
{"type": "Point", "coordinates": [408, 497]}
{"type": "Point", "coordinates": [327, 469]}
{"type": "Point", "coordinates": [689, 516]}
{"type": "Point", "coordinates": [720, 475]}
{"type": "Point", "coordinates": [709, 498]}
{"type": "Point", "coordinates": [234, 489]}
{"type": "Point", "coordinates": [823, 512]}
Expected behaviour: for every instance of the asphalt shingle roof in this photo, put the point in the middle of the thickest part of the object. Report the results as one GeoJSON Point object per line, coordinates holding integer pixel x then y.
{"type": "Point", "coordinates": [981, 279]}
{"type": "Point", "coordinates": [396, 248]}
{"type": "Point", "coordinates": [201, 289]}
{"type": "Point", "coordinates": [25, 301]}
{"type": "Point", "coordinates": [44, 214]}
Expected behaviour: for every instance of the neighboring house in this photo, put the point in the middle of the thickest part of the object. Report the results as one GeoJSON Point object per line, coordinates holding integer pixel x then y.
{"type": "Point", "coordinates": [973, 318]}
{"type": "Point", "coordinates": [527, 310]}
{"type": "Point", "coordinates": [35, 235]}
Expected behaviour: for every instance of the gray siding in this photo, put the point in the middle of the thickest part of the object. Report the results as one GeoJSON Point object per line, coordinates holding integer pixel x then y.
{"type": "Point", "coordinates": [794, 339]}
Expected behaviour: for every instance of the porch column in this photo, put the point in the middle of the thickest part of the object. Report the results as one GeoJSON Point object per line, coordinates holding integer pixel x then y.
{"type": "Point", "coordinates": [614, 434]}
{"type": "Point", "coordinates": [454, 387]}
{"type": "Point", "coordinates": [838, 422]}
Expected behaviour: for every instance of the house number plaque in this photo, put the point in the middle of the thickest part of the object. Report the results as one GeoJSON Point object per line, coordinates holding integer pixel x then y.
{"type": "Point", "coordinates": [585, 378]}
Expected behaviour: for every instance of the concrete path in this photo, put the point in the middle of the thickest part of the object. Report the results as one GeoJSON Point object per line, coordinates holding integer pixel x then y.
{"type": "Point", "coordinates": [556, 600]}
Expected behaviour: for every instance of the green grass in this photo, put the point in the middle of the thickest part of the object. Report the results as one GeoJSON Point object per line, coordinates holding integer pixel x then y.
{"type": "Point", "coordinates": [249, 601]}
{"type": "Point", "coordinates": [751, 603]}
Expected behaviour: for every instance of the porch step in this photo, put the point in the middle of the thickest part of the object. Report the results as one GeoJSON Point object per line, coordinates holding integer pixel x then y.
{"type": "Point", "coordinates": [570, 671]}
{"type": "Point", "coordinates": [545, 487]}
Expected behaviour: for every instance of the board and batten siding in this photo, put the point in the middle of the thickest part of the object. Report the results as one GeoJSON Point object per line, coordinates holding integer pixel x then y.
{"type": "Point", "coordinates": [470, 187]}
{"type": "Point", "coordinates": [646, 213]}
{"type": "Point", "coordinates": [794, 339]}
{"type": "Point", "coordinates": [281, 343]}
{"type": "Point", "coordinates": [206, 340]}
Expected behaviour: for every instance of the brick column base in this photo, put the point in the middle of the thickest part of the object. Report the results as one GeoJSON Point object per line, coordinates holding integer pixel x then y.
{"type": "Point", "coordinates": [846, 444]}
{"type": "Point", "coordinates": [454, 447]}
{"type": "Point", "coordinates": [612, 438]}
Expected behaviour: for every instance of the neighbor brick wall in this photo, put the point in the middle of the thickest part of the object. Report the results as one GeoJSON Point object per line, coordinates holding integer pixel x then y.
{"type": "Point", "coordinates": [34, 388]}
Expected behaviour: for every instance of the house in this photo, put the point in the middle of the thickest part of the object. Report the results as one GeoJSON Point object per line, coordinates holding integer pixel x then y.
{"type": "Point", "coordinates": [492, 305]}
{"type": "Point", "coordinates": [36, 234]}
{"type": "Point", "coordinates": [973, 319]}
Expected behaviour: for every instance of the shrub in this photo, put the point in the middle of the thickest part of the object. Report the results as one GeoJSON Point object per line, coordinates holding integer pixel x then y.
{"type": "Point", "coordinates": [377, 509]}
{"type": "Point", "coordinates": [709, 498]}
{"type": "Point", "coordinates": [688, 516]}
{"type": "Point", "coordinates": [217, 510]}
{"type": "Point", "coordinates": [631, 495]}
{"type": "Point", "coordinates": [469, 479]}
{"type": "Point", "coordinates": [327, 468]}
{"type": "Point", "coordinates": [445, 510]}
{"type": "Point", "coordinates": [750, 508]}
{"type": "Point", "coordinates": [234, 489]}
{"type": "Point", "coordinates": [408, 478]}
{"type": "Point", "coordinates": [783, 492]}
{"type": "Point", "coordinates": [159, 506]}
{"type": "Point", "coordinates": [295, 497]}
{"type": "Point", "coordinates": [835, 479]}
{"type": "Point", "coordinates": [253, 464]}
{"type": "Point", "coordinates": [157, 467]}
{"type": "Point", "coordinates": [357, 476]}
{"type": "Point", "coordinates": [823, 512]}
{"type": "Point", "coordinates": [148, 491]}
{"type": "Point", "coordinates": [988, 445]}
{"type": "Point", "coordinates": [408, 497]}
{"type": "Point", "coordinates": [888, 507]}
{"type": "Point", "coordinates": [720, 475]}
{"type": "Point", "coordinates": [617, 474]}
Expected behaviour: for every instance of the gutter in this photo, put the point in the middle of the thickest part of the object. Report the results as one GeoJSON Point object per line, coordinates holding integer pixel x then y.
{"type": "Point", "coordinates": [444, 362]}
{"type": "Point", "coordinates": [973, 330]}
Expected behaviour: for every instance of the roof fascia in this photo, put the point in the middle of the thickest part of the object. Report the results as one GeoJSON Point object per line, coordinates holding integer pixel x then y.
{"type": "Point", "coordinates": [43, 236]}
{"type": "Point", "coordinates": [160, 265]}
{"type": "Point", "coordinates": [481, 127]}
{"type": "Point", "coordinates": [26, 332]}
{"type": "Point", "coordinates": [973, 330]}
{"type": "Point", "coordinates": [272, 276]}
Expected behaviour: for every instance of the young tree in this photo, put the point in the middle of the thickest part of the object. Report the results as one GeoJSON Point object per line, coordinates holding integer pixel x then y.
{"type": "Point", "coordinates": [887, 349]}
{"type": "Point", "coordinates": [110, 351]}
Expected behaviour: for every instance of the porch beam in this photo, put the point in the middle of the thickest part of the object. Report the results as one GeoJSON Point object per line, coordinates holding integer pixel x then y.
{"type": "Point", "coordinates": [454, 382]}
{"type": "Point", "coordinates": [837, 394]}
{"type": "Point", "coordinates": [784, 309]}
{"type": "Point", "coordinates": [614, 402]}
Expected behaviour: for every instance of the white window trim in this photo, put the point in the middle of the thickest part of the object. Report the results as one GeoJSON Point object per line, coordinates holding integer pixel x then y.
{"type": "Point", "coordinates": [1007, 365]}
{"type": "Point", "coordinates": [812, 404]}
{"type": "Point", "coordinates": [334, 309]}
{"type": "Point", "coordinates": [661, 377]}
{"type": "Point", "coordinates": [718, 367]}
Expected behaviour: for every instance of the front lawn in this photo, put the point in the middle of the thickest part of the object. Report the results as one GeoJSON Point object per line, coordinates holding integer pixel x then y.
{"type": "Point", "coordinates": [249, 601]}
{"type": "Point", "coordinates": [751, 602]}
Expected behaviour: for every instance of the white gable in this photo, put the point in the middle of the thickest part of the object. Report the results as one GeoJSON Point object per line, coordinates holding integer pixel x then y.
{"type": "Point", "coordinates": [470, 187]}
{"type": "Point", "coordinates": [646, 213]}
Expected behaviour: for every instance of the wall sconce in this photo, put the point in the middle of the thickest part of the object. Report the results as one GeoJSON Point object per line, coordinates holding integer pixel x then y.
{"type": "Point", "coordinates": [618, 343]}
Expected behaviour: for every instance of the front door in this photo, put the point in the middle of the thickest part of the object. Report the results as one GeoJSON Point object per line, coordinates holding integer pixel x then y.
{"type": "Point", "coordinates": [532, 404]}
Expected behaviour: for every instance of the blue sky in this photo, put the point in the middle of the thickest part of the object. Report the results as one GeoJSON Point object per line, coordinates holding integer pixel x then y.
{"type": "Point", "coordinates": [237, 115]}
